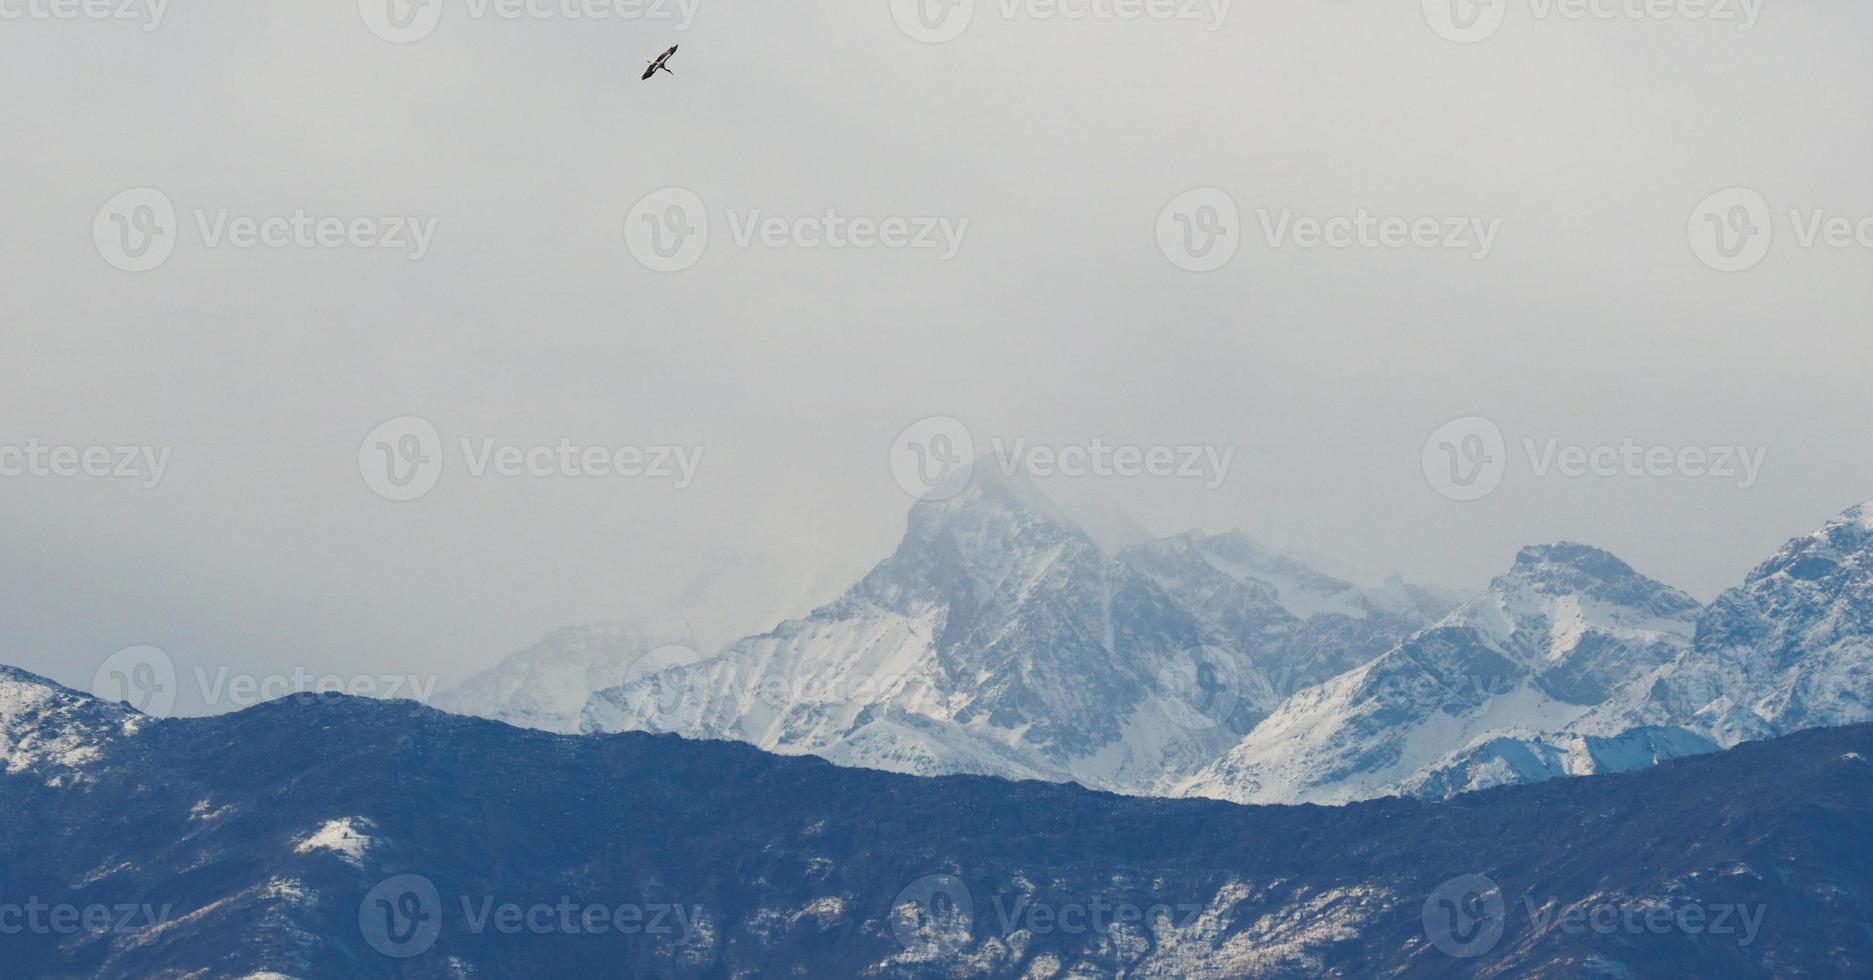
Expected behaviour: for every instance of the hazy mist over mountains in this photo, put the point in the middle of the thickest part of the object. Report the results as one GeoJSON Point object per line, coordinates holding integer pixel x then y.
{"type": "Point", "coordinates": [1058, 322]}
{"type": "Point", "coordinates": [1002, 638]}
{"type": "Point", "coordinates": [1031, 489]}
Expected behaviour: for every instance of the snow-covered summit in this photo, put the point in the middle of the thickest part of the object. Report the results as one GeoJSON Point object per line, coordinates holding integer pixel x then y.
{"type": "Point", "coordinates": [1557, 634]}
{"type": "Point", "coordinates": [997, 638]}
{"type": "Point", "coordinates": [51, 732]}
{"type": "Point", "coordinates": [1791, 648]}
{"type": "Point", "coordinates": [1000, 638]}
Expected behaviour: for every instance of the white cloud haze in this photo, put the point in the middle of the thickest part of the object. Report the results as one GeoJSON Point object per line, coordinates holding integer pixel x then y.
{"type": "Point", "coordinates": [1058, 319]}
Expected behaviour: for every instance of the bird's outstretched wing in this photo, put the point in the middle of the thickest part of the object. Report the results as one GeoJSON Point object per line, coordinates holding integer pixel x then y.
{"type": "Point", "coordinates": [657, 64]}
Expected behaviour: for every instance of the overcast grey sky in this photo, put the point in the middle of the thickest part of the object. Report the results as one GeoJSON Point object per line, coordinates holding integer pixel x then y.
{"type": "Point", "coordinates": [1587, 145]}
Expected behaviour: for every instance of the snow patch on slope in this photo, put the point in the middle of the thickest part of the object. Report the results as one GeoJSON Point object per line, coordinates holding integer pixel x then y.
{"type": "Point", "coordinates": [344, 837]}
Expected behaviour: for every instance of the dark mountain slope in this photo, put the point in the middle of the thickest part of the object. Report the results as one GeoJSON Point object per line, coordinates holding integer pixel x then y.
{"type": "Point", "coordinates": [791, 866]}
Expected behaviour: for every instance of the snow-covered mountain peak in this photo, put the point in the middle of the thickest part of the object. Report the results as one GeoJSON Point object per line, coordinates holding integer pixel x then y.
{"type": "Point", "coordinates": [1814, 597]}
{"type": "Point", "coordinates": [1562, 631]}
{"type": "Point", "coordinates": [1790, 648]}
{"type": "Point", "coordinates": [999, 637]}
{"type": "Point", "coordinates": [1556, 597]}
{"type": "Point", "coordinates": [994, 542]}
{"type": "Point", "coordinates": [51, 731]}
{"type": "Point", "coordinates": [988, 493]}
{"type": "Point", "coordinates": [1841, 550]}
{"type": "Point", "coordinates": [1568, 569]}
{"type": "Point", "coordinates": [20, 693]}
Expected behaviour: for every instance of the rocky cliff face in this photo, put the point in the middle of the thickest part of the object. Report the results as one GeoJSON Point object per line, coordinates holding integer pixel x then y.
{"type": "Point", "coordinates": [1791, 648]}
{"type": "Point", "coordinates": [1563, 630]}
{"type": "Point", "coordinates": [1001, 639]}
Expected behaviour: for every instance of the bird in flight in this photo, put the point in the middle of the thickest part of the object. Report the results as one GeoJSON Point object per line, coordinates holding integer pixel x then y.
{"type": "Point", "coordinates": [660, 62]}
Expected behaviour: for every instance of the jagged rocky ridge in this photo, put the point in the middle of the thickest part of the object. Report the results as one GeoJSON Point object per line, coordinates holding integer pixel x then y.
{"type": "Point", "coordinates": [288, 841]}
{"type": "Point", "coordinates": [1001, 639]}
{"type": "Point", "coordinates": [1464, 703]}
